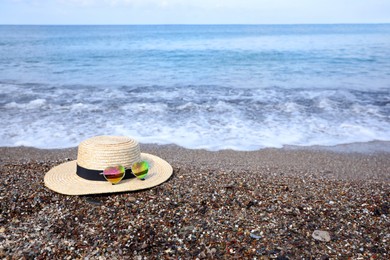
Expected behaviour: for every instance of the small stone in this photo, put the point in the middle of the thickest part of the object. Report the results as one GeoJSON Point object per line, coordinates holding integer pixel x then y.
{"type": "Point", "coordinates": [132, 199]}
{"type": "Point", "coordinates": [93, 201]}
{"type": "Point", "coordinates": [2, 229]}
{"type": "Point", "coordinates": [202, 255]}
{"type": "Point", "coordinates": [250, 204]}
{"type": "Point", "coordinates": [321, 235]}
{"type": "Point", "coordinates": [255, 234]}
{"type": "Point", "coordinates": [144, 245]}
{"type": "Point", "coordinates": [186, 230]}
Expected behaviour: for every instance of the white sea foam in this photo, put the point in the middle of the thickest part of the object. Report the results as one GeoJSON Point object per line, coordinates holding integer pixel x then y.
{"type": "Point", "coordinates": [81, 107]}
{"type": "Point", "coordinates": [214, 120]}
{"type": "Point", "coordinates": [33, 104]}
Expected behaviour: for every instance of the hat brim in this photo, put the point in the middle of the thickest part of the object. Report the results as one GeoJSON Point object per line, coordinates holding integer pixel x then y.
{"type": "Point", "coordinates": [63, 179]}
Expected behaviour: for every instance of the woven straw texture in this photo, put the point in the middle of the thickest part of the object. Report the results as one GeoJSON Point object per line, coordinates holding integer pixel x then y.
{"type": "Point", "coordinates": [112, 151]}
{"type": "Point", "coordinates": [100, 152]}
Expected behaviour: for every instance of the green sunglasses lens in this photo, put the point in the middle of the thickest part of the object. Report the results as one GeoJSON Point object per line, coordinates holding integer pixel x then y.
{"type": "Point", "coordinates": [140, 169]}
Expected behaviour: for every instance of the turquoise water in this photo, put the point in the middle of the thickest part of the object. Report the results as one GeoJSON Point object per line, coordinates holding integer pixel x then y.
{"type": "Point", "coordinates": [229, 86]}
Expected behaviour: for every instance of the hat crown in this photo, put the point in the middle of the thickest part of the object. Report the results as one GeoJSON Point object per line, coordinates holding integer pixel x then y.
{"type": "Point", "coordinates": [100, 152]}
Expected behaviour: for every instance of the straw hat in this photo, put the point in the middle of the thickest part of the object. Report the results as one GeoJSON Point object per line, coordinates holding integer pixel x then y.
{"type": "Point", "coordinates": [81, 176]}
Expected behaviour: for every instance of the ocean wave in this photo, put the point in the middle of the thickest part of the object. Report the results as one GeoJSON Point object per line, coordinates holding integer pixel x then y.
{"type": "Point", "coordinates": [33, 104]}
{"type": "Point", "coordinates": [208, 117]}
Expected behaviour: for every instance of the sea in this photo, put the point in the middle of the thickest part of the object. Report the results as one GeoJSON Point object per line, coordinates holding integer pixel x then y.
{"type": "Point", "coordinates": [213, 87]}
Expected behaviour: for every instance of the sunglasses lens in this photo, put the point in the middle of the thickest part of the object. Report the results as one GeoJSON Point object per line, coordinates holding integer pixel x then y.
{"type": "Point", "coordinates": [114, 174]}
{"type": "Point", "coordinates": [140, 169]}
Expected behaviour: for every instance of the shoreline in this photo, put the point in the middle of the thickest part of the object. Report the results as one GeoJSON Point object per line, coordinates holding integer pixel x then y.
{"type": "Point", "coordinates": [262, 204]}
{"type": "Point", "coordinates": [358, 161]}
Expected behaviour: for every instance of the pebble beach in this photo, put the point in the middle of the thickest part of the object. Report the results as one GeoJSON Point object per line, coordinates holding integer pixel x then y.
{"type": "Point", "coordinates": [269, 204]}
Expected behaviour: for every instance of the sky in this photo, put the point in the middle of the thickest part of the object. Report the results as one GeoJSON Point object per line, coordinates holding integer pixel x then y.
{"type": "Point", "coordinates": [193, 11]}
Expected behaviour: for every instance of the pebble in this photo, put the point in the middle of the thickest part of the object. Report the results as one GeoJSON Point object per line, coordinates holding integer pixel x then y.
{"type": "Point", "coordinates": [255, 235]}
{"type": "Point", "coordinates": [202, 255]}
{"type": "Point", "coordinates": [321, 235]}
{"type": "Point", "coordinates": [93, 201]}
{"type": "Point", "coordinates": [212, 251]}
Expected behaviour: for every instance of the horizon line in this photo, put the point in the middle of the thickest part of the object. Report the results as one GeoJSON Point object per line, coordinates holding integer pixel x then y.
{"type": "Point", "coordinates": [189, 24]}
